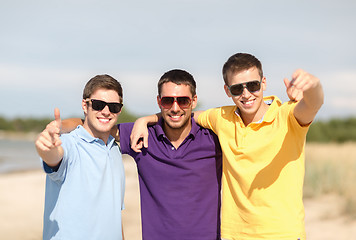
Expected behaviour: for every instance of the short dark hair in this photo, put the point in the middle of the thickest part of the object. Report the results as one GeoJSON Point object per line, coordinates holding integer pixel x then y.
{"type": "Point", "coordinates": [178, 77]}
{"type": "Point", "coordinates": [240, 62]}
{"type": "Point", "coordinates": [102, 82]}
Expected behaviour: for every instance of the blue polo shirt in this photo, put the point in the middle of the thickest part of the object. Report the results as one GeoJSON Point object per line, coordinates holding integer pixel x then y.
{"type": "Point", "coordinates": [180, 188]}
{"type": "Point", "coordinates": [85, 196]}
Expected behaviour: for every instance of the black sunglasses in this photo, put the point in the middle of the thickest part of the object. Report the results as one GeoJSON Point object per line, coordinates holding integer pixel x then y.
{"type": "Point", "coordinates": [167, 101]}
{"type": "Point", "coordinates": [99, 105]}
{"type": "Point", "coordinates": [237, 89]}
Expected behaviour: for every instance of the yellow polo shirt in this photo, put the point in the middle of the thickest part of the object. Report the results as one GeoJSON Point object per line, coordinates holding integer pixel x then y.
{"type": "Point", "coordinates": [263, 172]}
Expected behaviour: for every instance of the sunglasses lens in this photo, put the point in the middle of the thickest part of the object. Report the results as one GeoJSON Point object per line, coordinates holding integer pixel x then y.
{"type": "Point", "coordinates": [167, 102]}
{"type": "Point", "coordinates": [253, 86]}
{"type": "Point", "coordinates": [98, 105]}
{"type": "Point", "coordinates": [183, 102]}
{"type": "Point", "coordinates": [115, 107]}
{"type": "Point", "coordinates": [236, 89]}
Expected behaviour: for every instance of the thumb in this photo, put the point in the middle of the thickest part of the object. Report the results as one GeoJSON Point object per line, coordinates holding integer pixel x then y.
{"type": "Point", "coordinates": [145, 141]}
{"type": "Point", "coordinates": [57, 117]}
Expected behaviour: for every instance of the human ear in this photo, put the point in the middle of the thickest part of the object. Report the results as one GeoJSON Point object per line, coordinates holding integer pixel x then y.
{"type": "Point", "coordinates": [264, 84]}
{"type": "Point", "coordinates": [227, 91]}
{"type": "Point", "coordinates": [194, 101]}
{"type": "Point", "coordinates": [85, 106]}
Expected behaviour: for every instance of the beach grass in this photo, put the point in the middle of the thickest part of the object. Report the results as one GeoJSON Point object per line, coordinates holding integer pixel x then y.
{"type": "Point", "coordinates": [331, 168]}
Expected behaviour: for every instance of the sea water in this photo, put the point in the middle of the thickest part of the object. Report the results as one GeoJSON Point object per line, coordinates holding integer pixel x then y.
{"type": "Point", "coordinates": [18, 155]}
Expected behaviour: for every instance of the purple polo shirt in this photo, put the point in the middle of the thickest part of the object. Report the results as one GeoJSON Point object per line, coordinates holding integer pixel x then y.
{"type": "Point", "coordinates": [180, 188]}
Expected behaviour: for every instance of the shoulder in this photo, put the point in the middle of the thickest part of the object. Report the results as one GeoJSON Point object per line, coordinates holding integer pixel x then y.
{"type": "Point", "coordinates": [125, 129]}
{"type": "Point", "coordinates": [223, 109]}
{"type": "Point", "coordinates": [286, 113]}
{"type": "Point", "coordinates": [69, 139]}
{"type": "Point", "coordinates": [277, 107]}
{"type": "Point", "coordinates": [219, 111]}
{"type": "Point", "coordinates": [202, 133]}
{"type": "Point", "coordinates": [125, 126]}
{"type": "Point", "coordinates": [287, 109]}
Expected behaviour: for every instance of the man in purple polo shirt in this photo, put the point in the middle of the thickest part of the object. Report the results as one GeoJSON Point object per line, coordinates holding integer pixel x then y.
{"type": "Point", "coordinates": [180, 172]}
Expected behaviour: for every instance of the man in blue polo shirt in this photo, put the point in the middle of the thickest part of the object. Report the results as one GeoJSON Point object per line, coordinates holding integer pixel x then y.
{"type": "Point", "coordinates": [85, 176]}
{"type": "Point", "coordinates": [180, 172]}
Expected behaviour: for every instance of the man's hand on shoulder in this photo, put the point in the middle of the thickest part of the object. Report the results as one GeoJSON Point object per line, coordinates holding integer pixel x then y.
{"type": "Point", "coordinates": [139, 135]}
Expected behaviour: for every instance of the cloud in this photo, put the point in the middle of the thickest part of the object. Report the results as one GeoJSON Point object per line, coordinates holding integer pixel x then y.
{"type": "Point", "coordinates": [39, 77]}
{"type": "Point", "coordinates": [340, 88]}
{"type": "Point", "coordinates": [346, 103]}
{"type": "Point", "coordinates": [50, 49]}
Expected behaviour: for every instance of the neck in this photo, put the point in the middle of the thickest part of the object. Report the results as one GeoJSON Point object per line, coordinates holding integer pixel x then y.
{"type": "Point", "coordinates": [96, 134]}
{"type": "Point", "coordinates": [177, 135]}
{"type": "Point", "coordinates": [249, 118]}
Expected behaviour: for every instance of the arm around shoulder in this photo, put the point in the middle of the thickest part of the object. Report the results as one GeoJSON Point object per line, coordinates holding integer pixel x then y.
{"type": "Point", "coordinates": [139, 133]}
{"type": "Point", "coordinates": [70, 124]}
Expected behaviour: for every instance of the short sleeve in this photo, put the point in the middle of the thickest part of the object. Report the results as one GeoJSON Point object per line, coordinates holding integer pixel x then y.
{"type": "Point", "coordinates": [125, 132]}
{"type": "Point", "coordinates": [208, 118]}
{"type": "Point", "coordinates": [58, 173]}
{"type": "Point", "coordinates": [293, 124]}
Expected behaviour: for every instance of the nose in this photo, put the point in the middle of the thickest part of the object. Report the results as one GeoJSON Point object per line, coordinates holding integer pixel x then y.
{"type": "Point", "coordinates": [245, 92]}
{"type": "Point", "coordinates": [106, 110]}
{"type": "Point", "coordinates": [175, 107]}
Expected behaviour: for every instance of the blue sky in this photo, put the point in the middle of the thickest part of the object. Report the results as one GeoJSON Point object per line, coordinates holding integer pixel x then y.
{"type": "Point", "coordinates": [50, 49]}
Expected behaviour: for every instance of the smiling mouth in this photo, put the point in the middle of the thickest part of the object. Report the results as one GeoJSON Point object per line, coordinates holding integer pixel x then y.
{"type": "Point", "coordinates": [104, 120]}
{"type": "Point", "coordinates": [175, 117]}
{"type": "Point", "coordinates": [248, 103]}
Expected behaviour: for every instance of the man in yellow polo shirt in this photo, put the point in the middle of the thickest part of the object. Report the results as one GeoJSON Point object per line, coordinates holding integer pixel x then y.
{"type": "Point", "coordinates": [263, 151]}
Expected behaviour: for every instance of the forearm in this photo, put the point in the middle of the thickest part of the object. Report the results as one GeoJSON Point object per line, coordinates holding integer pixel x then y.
{"type": "Point", "coordinates": [149, 120]}
{"type": "Point", "coordinates": [314, 97]}
{"type": "Point", "coordinates": [139, 132]}
{"type": "Point", "coordinates": [70, 124]}
{"type": "Point", "coordinates": [123, 236]}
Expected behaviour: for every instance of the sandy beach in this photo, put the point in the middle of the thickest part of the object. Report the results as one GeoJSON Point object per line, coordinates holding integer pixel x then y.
{"type": "Point", "coordinates": [22, 200]}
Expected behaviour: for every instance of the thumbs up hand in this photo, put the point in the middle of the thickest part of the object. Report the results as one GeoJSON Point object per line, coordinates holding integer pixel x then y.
{"type": "Point", "coordinates": [49, 138]}
{"type": "Point", "coordinates": [48, 143]}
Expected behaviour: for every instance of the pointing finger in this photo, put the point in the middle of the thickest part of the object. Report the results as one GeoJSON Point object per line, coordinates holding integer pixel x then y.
{"type": "Point", "coordinates": [286, 82]}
